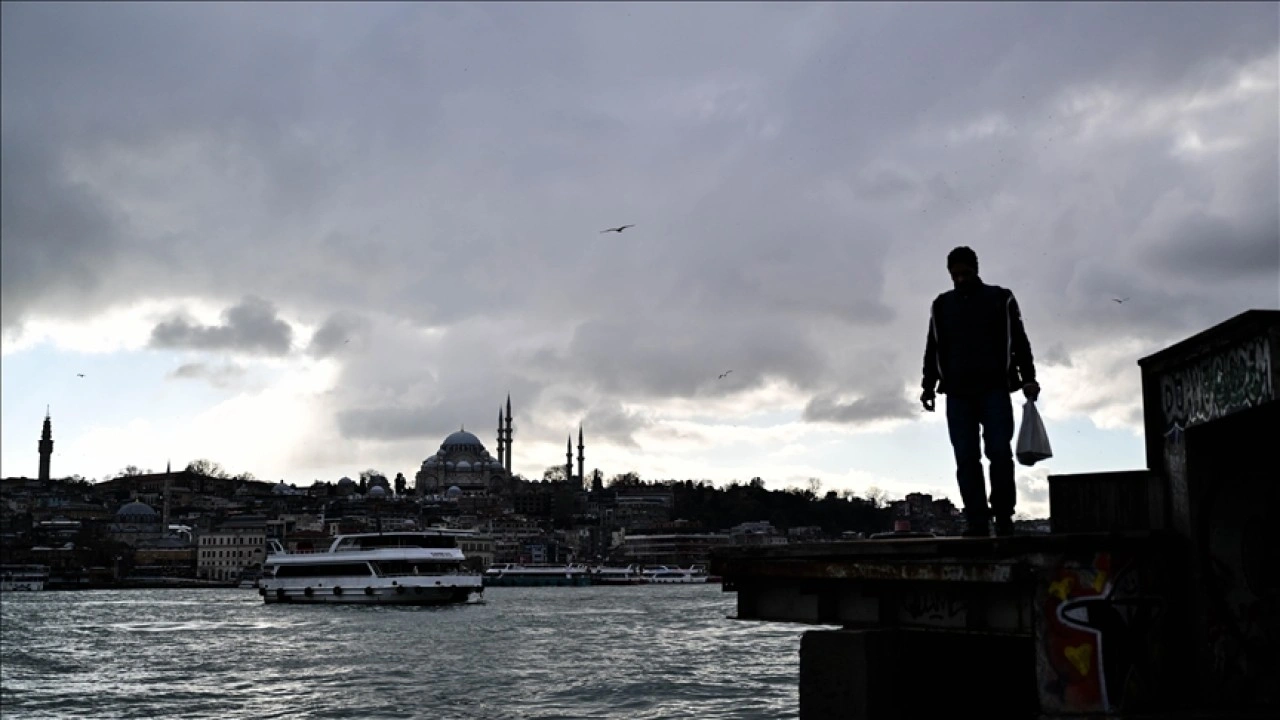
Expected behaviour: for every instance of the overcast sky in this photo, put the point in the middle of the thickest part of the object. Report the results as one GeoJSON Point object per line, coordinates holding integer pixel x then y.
{"type": "Point", "coordinates": [306, 240]}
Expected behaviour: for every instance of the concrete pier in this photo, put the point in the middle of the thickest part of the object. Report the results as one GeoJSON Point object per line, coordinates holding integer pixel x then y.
{"type": "Point", "coordinates": [1156, 595]}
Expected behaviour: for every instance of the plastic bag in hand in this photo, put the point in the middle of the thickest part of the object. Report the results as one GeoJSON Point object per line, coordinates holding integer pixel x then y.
{"type": "Point", "coordinates": [1033, 441]}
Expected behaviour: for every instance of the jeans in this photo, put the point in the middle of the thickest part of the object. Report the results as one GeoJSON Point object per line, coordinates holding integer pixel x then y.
{"type": "Point", "coordinates": [993, 411]}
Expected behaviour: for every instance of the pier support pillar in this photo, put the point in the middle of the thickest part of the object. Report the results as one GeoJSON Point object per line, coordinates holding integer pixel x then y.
{"type": "Point", "coordinates": [875, 674]}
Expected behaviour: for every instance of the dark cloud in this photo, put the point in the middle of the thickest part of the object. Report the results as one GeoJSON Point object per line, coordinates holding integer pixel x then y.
{"type": "Point", "coordinates": [889, 404]}
{"type": "Point", "coordinates": [252, 326]}
{"type": "Point", "coordinates": [428, 180]}
{"type": "Point", "coordinates": [608, 420]}
{"type": "Point", "coordinates": [1055, 354]}
{"type": "Point", "coordinates": [337, 332]}
{"type": "Point", "coordinates": [220, 376]}
{"type": "Point", "coordinates": [59, 239]}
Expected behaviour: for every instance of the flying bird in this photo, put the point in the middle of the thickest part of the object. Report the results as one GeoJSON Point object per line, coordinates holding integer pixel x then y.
{"type": "Point", "coordinates": [1119, 301]}
{"type": "Point", "coordinates": [79, 374]}
{"type": "Point", "coordinates": [724, 374]}
{"type": "Point", "coordinates": [618, 229]}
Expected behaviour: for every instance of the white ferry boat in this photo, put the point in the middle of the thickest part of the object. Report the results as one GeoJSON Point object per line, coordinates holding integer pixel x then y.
{"type": "Point", "coordinates": [23, 577]}
{"type": "Point", "coordinates": [629, 575]}
{"type": "Point", "coordinates": [515, 575]}
{"type": "Point", "coordinates": [663, 575]}
{"type": "Point", "coordinates": [393, 568]}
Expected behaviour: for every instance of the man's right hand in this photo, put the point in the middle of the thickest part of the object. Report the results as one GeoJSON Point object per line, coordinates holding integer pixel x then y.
{"type": "Point", "coordinates": [926, 399]}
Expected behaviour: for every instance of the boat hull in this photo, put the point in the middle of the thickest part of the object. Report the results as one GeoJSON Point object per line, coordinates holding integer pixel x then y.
{"type": "Point", "coordinates": [411, 592]}
{"type": "Point", "coordinates": [21, 585]}
{"type": "Point", "coordinates": [537, 581]}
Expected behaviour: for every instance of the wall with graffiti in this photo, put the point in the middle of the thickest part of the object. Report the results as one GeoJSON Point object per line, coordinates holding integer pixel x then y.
{"type": "Point", "coordinates": [1101, 643]}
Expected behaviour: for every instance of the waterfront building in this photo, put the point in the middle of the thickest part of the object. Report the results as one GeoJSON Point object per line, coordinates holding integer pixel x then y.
{"type": "Point", "coordinates": [674, 549]}
{"type": "Point", "coordinates": [230, 548]}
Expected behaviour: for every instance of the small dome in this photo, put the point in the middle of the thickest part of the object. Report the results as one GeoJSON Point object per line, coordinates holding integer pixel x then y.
{"type": "Point", "coordinates": [346, 481]}
{"type": "Point", "coordinates": [280, 489]}
{"type": "Point", "coordinates": [462, 437]}
{"type": "Point", "coordinates": [453, 492]}
{"type": "Point", "coordinates": [137, 511]}
{"type": "Point", "coordinates": [377, 491]}
{"type": "Point", "coordinates": [462, 465]}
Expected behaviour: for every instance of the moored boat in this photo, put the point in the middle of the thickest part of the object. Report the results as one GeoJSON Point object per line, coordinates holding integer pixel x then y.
{"type": "Point", "coordinates": [23, 578]}
{"type": "Point", "coordinates": [516, 575]}
{"type": "Point", "coordinates": [663, 575]}
{"type": "Point", "coordinates": [395, 568]}
{"type": "Point", "coordinates": [629, 575]}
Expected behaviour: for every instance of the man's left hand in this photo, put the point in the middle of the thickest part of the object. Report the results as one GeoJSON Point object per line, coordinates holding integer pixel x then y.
{"type": "Point", "coordinates": [1031, 390]}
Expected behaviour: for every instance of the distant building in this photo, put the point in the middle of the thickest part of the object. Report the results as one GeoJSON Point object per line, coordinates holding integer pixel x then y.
{"type": "Point", "coordinates": [230, 548]}
{"type": "Point", "coordinates": [676, 549]}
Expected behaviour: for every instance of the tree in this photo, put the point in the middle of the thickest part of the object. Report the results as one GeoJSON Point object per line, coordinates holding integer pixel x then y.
{"type": "Point", "coordinates": [245, 476]}
{"type": "Point", "coordinates": [815, 485]}
{"type": "Point", "coordinates": [757, 482]}
{"type": "Point", "coordinates": [131, 470]}
{"type": "Point", "coordinates": [207, 468]}
{"type": "Point", "coordinates": [372, 477]}
{"type": "Point", "coordinates": [877, 497]}
{"type": "Point", "coordinates": [555, 473]}
{"type": "Point", "coordinates": [626, 479]}
{"type": "Point", "coordinates": [400, 483]}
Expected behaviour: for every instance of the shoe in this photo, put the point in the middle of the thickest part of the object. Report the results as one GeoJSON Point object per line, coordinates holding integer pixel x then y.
{"type": "Point", "coordinates": [977, 529]}
{"type": "Point", "coordinates": [1004, 527]}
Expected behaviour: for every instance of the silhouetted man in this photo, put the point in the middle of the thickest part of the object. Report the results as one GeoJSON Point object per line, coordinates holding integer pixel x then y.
{"type": "Point", "coordinates": [977, 354]}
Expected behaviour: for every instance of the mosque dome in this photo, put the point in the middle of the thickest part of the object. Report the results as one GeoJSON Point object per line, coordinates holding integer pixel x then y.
{"type": "Point", "coordinates": [137, 512]}
{"type": "Point", "coordinates": [453, 492]}
{"type": "Point", "coordinates": [463, 466]}
{"type": "Point", "coordinates": [280, 489]}
{"type": "Point", "coordinates": [346, 481]}
{"type": "Point", "coordinates": [461, 438]}
{"type": "Point", "coordinates": [377, 491]}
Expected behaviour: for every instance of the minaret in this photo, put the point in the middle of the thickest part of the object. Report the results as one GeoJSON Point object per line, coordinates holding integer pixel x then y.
{"type": "Point", "coordinates": [508, 445]}
{"type": "Point", "coordinates": [582, 475]}
{"type": "Point", "coordinates": [46, 446]}
{"type": "Point", "coordinates": [501, 457]}
{"type": "Point", "coordinates": [168, 478]}
{"type": "Point", "coordinates": [568, 459]}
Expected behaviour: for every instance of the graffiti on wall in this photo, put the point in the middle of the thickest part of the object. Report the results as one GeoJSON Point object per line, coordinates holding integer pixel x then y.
{"type": "Point", "coordinates": [1098, 636]}
{"type": "Point", "coordinates": [934, 609]}
{"type": "Point", "coordinates": [1217, 385]}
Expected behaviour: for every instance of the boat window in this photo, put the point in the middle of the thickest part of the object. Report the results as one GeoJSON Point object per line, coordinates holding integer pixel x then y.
{"type": "Point", "coordinates": [323, 570]}
{"type": "Point", "coordinates": [388, 568]}
{"type": "Point", "coordinates": [385, 541]}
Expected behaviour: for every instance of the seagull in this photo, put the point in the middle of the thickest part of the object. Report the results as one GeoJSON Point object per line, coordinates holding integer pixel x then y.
{"type": "Point", "coordinates": [344, 342]}
{"type": "Point", "coordinates": [79, 374]}
{"type": "Point", "coordinates": [1118, 301]}
{"type": "Point", "coordinates": [724, 374]}
{"type": "Point", "coordinates": [618, 229]}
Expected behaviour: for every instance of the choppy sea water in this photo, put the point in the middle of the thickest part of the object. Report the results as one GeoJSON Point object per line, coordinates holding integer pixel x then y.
{"type": "Point", "coordinates": [646, 652]}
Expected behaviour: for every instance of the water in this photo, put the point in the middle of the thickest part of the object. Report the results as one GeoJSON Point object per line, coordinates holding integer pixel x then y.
{"type": "Point", "coordinates": [644, 652]}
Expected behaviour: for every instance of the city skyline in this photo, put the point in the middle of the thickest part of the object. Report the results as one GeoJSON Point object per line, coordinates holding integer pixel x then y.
{"type": "Point", "coordinates": [307, 242]}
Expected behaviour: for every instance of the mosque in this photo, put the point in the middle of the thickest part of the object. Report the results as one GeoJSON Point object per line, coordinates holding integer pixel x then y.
{"type": "Point", "coordinates": [463, 462]}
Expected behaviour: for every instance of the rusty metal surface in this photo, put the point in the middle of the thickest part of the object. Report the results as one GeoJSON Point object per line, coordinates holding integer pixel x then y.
{"type": "Point", "coordinates": [945, 559]}
{"type": "Point", "coordinates": [939, 571]}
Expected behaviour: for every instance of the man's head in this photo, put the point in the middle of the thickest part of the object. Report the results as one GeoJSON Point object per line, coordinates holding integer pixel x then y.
{"type": "Point", "coordinates": [962, 263]}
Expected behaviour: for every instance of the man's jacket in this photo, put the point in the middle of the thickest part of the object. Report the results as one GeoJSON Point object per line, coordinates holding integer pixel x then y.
{"type": "Point", "coordinates": [977, 342]}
